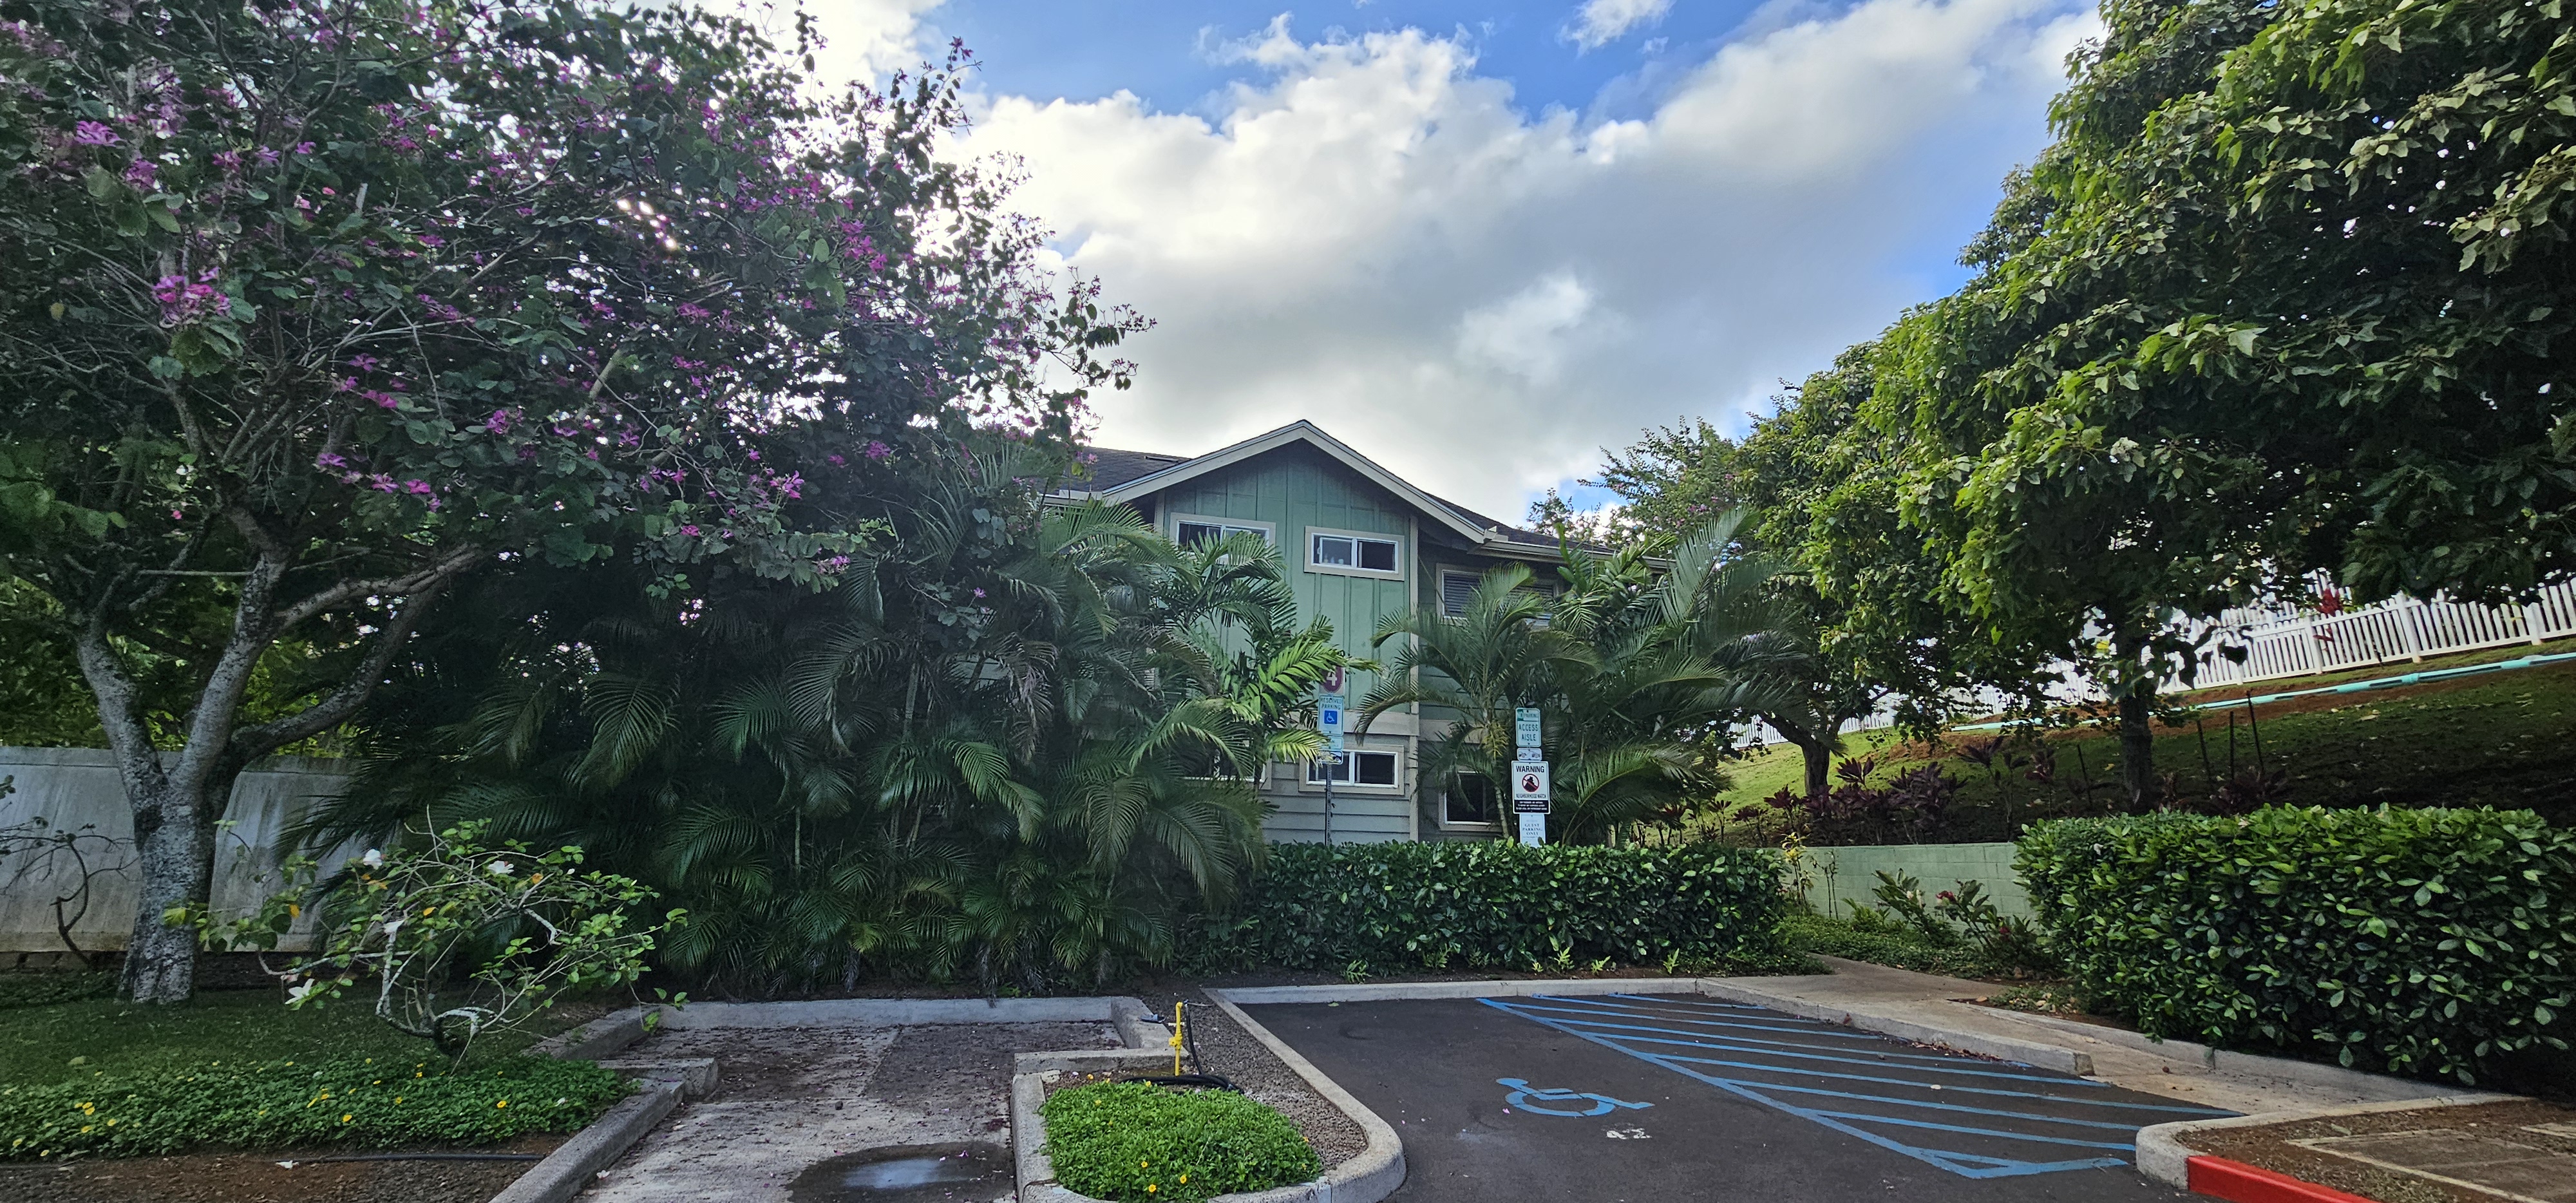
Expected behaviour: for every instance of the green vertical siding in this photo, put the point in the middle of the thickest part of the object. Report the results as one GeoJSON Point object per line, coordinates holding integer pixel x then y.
{"type": "Point", "coordinates": [1296, 489]}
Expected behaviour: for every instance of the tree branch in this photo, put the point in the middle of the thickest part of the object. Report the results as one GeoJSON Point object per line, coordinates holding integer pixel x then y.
{"type": "Point", "coordinates": [344, 702]}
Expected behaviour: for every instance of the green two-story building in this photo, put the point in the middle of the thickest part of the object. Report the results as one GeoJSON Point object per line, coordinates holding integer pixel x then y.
{"type": "Point", "coordinates": [1359, 543]}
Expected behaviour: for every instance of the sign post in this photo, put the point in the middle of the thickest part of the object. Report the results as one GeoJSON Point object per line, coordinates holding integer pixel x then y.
{"type": "Point", "coordinates": [1329, 707]}
{"type": "Point", "coordinates": [1530, 786]}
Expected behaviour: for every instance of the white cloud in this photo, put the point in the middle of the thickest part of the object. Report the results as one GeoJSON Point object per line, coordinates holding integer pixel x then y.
{"type": "Point", "coordinates": [1373, 236]}
{"type": "Point", "coordinates": [1529, 333]}
{"type": "Point", "coordinates": [869, 39]}
{"type": "Point", "coordinates": [1601, 22]}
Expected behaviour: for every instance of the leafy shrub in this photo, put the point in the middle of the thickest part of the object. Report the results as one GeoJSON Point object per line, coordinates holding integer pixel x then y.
{"type": "Point", "coordinates": [1872, 937]}
{"type": "Point", "coordinates": [276, 1104]}
{"type": "Point", "coordinates": [2415, 941]}
{"type": "Point", "coordinates": [412, 920]}
{"type": "Point", "coordinates": [1136, 1141]}
{"type": "Point", "coordinates": [1376, 907]}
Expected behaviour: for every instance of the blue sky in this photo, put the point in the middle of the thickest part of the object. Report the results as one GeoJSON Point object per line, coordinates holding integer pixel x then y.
{"type": "Point", "coordinates": [1164, 52]}
{"type": "Point", "coordinates": [1480, 241]}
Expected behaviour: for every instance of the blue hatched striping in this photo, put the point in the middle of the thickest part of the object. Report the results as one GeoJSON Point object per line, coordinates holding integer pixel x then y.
{"type": "Point", "coordinates": [1597, 1021]}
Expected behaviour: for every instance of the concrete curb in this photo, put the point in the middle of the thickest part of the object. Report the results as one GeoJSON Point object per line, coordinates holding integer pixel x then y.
{"type": "Point", "coordinates": [2376, 1087]}
{"type": "Point", "coordinates": [908, 1012]}
{"type": "Point", "coordinates": [569, 1168]}
{"type": "Point", "coordinates": [1092, 1060]}
{"type": "Point", "coordinates": [2032, 1053]}
{"type": "Point", "coordinates": [1367, 1178]}
{"type": "Point", "coordinates": [1411, 991]}
{"type": "Point", "coordinates": [2162, 1157]}
{"type": "Point", "coordinates": [604, 1036]}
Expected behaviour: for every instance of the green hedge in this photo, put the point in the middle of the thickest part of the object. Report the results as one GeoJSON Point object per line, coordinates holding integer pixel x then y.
{"type": "Point", "coordinates": [1382, 907]}
{"type": "Point", "coordinates": [281, 1104]}
{"type": "Point", "coordinates": [2425, 942]}
{"type": "Point", "coordinates": [1134, 1141]}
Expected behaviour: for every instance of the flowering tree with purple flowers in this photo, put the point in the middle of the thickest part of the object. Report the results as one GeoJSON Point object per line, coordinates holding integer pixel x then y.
{"type": "Point", "coordinates": [312, 307]}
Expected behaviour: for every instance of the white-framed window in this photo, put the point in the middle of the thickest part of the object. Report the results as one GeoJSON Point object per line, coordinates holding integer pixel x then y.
{"type": "Point", "coordinates": [1361, 769]}
{"type": "Point", "coordinates": [1354, 553]}
{"type": "Point", "coordinates": [1190, 530]}
{"type": "Point", "coordinates": [1471, 801]}
{"type": "Point", "coordinates": [1456, 588]}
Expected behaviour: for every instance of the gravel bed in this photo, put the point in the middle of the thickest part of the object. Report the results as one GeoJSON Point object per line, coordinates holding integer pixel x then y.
{"type": "Point", "coordinates": [1231, 1052]}
{"type": "Point", "coordinates": [2268, 1147]}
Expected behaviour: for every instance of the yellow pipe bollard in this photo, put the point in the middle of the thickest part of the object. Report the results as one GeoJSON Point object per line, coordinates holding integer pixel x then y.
{"type": "Point", "coordinates": [1177, 1007]}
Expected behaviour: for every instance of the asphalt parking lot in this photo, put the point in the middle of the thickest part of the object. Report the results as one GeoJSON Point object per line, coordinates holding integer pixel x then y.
{"type": "Point", "coordinates": [1633, 1097]}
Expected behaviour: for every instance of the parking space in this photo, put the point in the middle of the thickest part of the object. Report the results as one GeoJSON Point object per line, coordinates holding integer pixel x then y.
{"type": "Point", "coordinates": [1661, 1097]}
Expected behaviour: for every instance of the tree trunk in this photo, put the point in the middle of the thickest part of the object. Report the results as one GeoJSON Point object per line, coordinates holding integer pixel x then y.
{"type": "Point", "coordinates": [2137, 706]}
{"type": "Point", "coordinates": [1817, 750]}
{"type": "Point", "coordinates": [174, 836]}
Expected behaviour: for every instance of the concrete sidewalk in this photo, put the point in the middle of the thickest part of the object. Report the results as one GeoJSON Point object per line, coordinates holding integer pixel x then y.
{"type": "Point", "coordinates": [2176, 1069]}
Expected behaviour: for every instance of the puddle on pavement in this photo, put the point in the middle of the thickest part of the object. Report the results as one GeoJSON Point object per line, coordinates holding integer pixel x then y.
{"type": "Point", "coordinates": [950, 1173]}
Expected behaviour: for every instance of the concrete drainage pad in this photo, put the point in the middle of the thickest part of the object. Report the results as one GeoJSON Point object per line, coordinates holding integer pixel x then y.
{"type": "Point", "coordinates": [942, 1173]}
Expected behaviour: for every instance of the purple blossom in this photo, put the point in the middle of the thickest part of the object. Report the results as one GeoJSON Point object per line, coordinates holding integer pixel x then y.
{"type": "Point", "coordinates": [418, 488]}
{"type": "Point", "coordinates": [381, 482]}
{"type": "Point", "coordinates": [93, 133]}
{"type": "Point", "coordinates": [499, 422]}
{"type": "Point", "coordinates": [835, 461]}
{"type": "Point", "coordinates": [330, 459]}
{"type": "Point", "coordinates": [144, 174]}
{"type": "Point", "coordinates": [690, 530]}
{"type": "Point", "coordinates": [877, 450]}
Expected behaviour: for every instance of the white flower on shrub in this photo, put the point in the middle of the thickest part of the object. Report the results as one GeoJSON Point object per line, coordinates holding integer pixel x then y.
{"type": "Point", "coordinates": [296, 993]}
{"type": "Point", "coordinates": [374, 859]}
{"type": "Point", "coordinates": [500, 868]}
{"type": "Point", "coordinates": [392, 926]}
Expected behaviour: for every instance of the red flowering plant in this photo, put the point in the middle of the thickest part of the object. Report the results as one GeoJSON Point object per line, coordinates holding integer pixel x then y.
{"type": "Point", "coordinates": [310, 307]}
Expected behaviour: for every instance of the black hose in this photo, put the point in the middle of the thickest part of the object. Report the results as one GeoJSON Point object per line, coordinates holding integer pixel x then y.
{"type": "Point", "coordinates": [1208, 1081]}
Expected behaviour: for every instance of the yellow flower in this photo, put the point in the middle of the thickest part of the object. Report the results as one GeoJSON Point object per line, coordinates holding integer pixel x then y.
{"type": "Point", "coordinates": [397, 1098]}
{"type": "Point", "coordinates": [1185, 1180]}
{"type": "Point", "coordinates": [502, 1103]}
{"type": "Point", "coordinates": [1149, 1188]}
{"type": "Point", "coordinates": [346, 1118]}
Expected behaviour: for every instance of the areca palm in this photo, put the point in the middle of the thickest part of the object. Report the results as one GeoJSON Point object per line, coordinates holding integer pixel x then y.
{"type": "Point", "coordinates": [1631, 669]}
{"type": "Point", "coordinates": [986, 751]}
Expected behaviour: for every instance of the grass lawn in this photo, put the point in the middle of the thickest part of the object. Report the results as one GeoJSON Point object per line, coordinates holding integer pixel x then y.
{"type": "Point", "coordinates": [2506, 740]}
{"type": "Point", "coordinates": [65, 1041]}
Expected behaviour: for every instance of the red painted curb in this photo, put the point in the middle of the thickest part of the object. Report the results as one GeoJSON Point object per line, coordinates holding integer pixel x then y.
{"type": "Point", "coordinates": [2238, 1182]}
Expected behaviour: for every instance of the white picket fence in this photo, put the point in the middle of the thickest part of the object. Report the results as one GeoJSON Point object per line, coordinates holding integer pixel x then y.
{"type": "Point", "coordinates": [2292, 643]}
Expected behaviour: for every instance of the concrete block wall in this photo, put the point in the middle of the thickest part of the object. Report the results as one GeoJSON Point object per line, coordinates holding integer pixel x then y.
{"type": "Point", "coordinates": [75, 787]}
{"type": "Point", "coordinates": [1839, 873]}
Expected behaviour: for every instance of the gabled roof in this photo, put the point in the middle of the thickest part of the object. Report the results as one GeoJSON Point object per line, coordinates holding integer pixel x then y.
{"type": "Point", "coordinates": [1119, 476]}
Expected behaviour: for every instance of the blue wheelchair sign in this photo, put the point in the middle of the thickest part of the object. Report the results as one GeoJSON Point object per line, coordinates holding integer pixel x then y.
{"type": "Point", "coordinates": [1527, 1099]}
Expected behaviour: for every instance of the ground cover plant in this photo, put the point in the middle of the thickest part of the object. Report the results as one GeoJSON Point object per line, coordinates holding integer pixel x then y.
{"type": "Point", "coordinates": [1135, 1142]}
{"type": "Point", "coordinates": [2421, 942]}
{"type": "Point", "coordinates": [199, 1074]}
{"type": "Point", "coordinates": [361, 1102]}
{"type": "Point", "coordinates": [1398, 906]}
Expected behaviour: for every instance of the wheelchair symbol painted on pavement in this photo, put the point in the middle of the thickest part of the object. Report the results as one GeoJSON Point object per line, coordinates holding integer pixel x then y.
{"type": "Point", "coordinates": [1527, 1099]}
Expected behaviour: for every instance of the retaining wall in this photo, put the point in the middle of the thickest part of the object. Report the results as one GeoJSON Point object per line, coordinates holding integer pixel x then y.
{"type": "Point", "coordinates": [74, 788]}
{"type": "Point", "coordinates": [1839, 873]}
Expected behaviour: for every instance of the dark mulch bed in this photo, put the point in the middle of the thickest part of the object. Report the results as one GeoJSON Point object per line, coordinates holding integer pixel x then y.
{"type": "Point", "coordinates": [2269, 1147]}
{"type": "Point", "coordinates": [258, 1178]}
